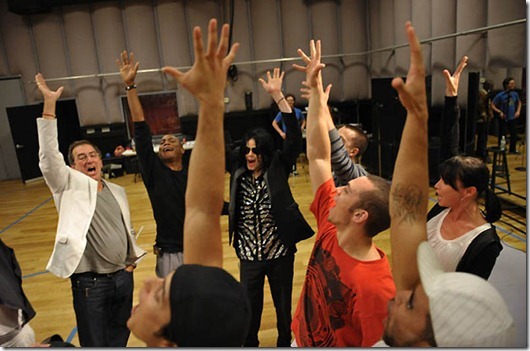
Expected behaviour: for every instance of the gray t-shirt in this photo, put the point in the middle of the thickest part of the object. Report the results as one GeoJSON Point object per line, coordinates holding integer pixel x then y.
{"type": "Point", "coordinates": [107, 242]}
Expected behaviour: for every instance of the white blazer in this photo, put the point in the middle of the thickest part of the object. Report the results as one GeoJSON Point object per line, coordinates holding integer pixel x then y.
{"type": "Point", "coordinates": [75, 196]}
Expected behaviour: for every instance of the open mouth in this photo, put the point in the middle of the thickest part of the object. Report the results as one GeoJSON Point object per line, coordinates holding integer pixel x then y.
{"type": "Point", "coordinates": [167, 149]}
{"type": "Point", "coordinates": [91, 171]}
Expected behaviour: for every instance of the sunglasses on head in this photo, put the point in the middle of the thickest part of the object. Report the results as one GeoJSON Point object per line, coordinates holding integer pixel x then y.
{"type": "Point", "coordinates": [255, 150]}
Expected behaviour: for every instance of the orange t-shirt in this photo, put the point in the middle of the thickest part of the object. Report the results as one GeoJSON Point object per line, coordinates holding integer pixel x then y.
{"type": "Point", "coordinates": [343, 301]}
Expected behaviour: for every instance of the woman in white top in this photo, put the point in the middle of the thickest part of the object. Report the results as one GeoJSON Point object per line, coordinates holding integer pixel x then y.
{"type": "Point", "coordinates": [460, 233]}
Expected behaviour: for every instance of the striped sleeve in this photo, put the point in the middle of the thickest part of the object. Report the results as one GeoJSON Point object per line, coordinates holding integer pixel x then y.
{"type": "Point", "coordinates": [344, 169]}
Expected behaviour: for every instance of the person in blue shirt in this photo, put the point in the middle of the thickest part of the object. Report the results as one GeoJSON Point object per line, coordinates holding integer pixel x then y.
{"type": "Point", "coordinates": [507, 105]}
{"type": "Point", "coordinates": [278, 120]}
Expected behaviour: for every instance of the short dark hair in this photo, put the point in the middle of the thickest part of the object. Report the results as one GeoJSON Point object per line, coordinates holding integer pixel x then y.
{"type": "Point", "coordinates": [290, 95]}
{"type": "Point", "coordinates": [506, 81]}
{"type": "Point", "coordinates": [426, 335]}
{"type": "Point", "coordinates": [375, 202]}
{"type": "Point", "coordinates": [360, 140]}
{"type": "Point", "coordinates": [78, 143]}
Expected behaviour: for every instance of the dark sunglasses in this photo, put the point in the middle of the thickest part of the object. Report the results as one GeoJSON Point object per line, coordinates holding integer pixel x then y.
{"type": "Point", "coordinates": [255, 150]}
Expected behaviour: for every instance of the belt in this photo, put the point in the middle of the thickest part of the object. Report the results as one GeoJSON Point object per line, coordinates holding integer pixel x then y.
{"type": "Point", "coordinates": [96, 275]}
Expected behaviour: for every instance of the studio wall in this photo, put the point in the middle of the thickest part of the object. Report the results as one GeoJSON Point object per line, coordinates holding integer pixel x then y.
{"type": "Point", "coordinates": [85, 38]}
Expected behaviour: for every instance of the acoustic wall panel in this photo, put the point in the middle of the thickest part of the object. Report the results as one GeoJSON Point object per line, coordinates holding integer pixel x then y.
{"type": "Point", "coordinates": [443, 51]}
{"type": "Point", "coordinates": [355, 79]}
{"type": "Point", "coordinates": [506, 48]}
{"type": "Point", "coordinates": [296, 34]}
{"type": "Point", "coordinates": [109, 35]}
{"type": "Point", "coordinates": [244, 80]}
{"type": "Point", "coordinates": [325, 27]}
{"type": "Point", "coordinates": [382, 34]}
{"type": "Point", "coordinates": [93, 33]}
{"type": "Point", "coordinates": [402, 55]}
{"type": "Point", "coordinates": [267, 43]}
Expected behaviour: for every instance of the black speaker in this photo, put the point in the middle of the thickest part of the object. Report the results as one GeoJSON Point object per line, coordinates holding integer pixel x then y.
{"type": "Point", "coordinates": [29, 7]}
{"type": "Point", "coordinates": [248, 100]}
{"type": "Point", "coordinates": [468, 122]}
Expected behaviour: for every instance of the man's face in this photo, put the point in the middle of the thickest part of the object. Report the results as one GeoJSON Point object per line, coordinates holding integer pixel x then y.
{"type": "Point", "coordinates": [153, 311]}
{"type": "Point", "coordinates": [511, 85]}
{"type": "Point", "coordinates": [170, 148]}
{"type": "Point", "coordinates": [347, 198]}
{"type": "Point", "coordinates": [348, 138]}
{"type": "Point", "coordinates": [407, 318]}
{"type": "Point", "coordinates": [88, 161]}
{"type": "Point", "coordinates": [253, 156]}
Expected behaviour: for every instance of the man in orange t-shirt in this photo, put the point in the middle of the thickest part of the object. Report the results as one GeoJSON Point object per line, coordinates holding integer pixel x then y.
{"type": "Point", "coordinates": [348, 281]}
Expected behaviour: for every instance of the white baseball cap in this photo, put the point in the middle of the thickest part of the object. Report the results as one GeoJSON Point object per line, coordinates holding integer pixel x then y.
{"type": "Point", "coordinates": [466, 310]}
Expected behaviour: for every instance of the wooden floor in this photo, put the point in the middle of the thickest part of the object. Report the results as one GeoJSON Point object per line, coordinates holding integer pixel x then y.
{"type": "Point", "coordinates": [28, 224]}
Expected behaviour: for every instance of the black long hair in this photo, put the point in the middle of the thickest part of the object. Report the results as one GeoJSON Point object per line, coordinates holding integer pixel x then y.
{"type": "Point", "coordinates": [263, 141]}
{"type": "Point", "coordinates": [472, 171]}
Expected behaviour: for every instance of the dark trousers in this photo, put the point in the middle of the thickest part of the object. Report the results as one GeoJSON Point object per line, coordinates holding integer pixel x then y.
{"type": "Point", "coordinates": [511, 126]}
{"type": "Point", "coordinates": [102, 304]}
{"type": "Point", "coordinates": [279, 273]}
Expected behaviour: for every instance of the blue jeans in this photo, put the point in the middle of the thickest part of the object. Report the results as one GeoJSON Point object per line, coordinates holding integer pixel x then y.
{"type": "Point", "coordinates": [102, 304]}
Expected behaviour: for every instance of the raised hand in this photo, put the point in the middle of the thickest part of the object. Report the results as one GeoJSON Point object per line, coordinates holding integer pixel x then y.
{"type": "Point", "coordinates": [206, 80]}
{"type": "Point", "coordinates": [313, 65]}
{"type": "Point", "coordinates": [306, 91]}
{"type": "Point", "coordinates": [48, 94]}
{"type": "Point", "coordinates": [412, 94]}
{"type": "Point", "coordinates": [128, 67]}
{"type": "Point", "coordinates": [451, 81]}
{"type": "Point", "coordinates": [274, 82]}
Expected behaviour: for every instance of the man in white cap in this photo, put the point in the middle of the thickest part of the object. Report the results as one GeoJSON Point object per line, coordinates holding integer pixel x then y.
{"type": "Point", "coordinates": [431, 307]}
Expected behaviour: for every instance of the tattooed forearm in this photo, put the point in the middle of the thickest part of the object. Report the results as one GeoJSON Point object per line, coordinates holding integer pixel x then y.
{"type": "Point", "coordinates": [408, 203]}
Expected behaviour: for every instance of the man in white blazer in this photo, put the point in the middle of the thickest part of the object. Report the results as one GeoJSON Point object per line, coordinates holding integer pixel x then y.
{"type": "Point", "coordinates": [95, 244]}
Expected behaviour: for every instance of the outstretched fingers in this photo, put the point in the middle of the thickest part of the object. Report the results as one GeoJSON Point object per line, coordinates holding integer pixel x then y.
{"type": "Point", "coordinates": [304, 58]}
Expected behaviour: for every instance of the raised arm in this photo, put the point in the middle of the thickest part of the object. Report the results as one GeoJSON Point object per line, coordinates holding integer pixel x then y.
{"type": "Point", "coordinates": [451, 112]}
{"type": "Point", "coordinates": [453, 80]}
{"type": "Point", "coordinates": [128, 69]}
{"type": "Point", "coordinates": [50, 97]}
{"type": "Point", "coordinates": [51, 161]}
{"type": "Point", "coordinates": [206, 80]}
{"type": "Point", "coordinates": [410, 182]}
{"type": "Point", "coordinates": [273, 86]}
{"type": "Point", "coordinates": [318, 116]}
{"type": "Point", "coordinates": [341, 164]}
{"type": "Point", "coordinates": [292, 144]}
